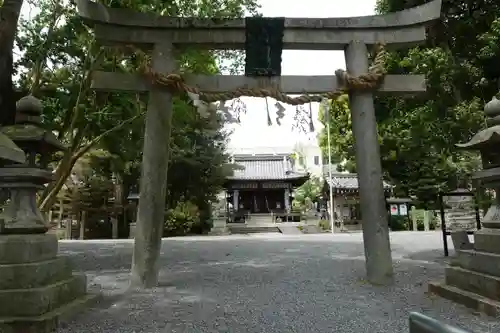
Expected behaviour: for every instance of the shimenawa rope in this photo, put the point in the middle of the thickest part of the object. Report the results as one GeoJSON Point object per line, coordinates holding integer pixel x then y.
{"type": "Point", "coordinates": [369, 81]}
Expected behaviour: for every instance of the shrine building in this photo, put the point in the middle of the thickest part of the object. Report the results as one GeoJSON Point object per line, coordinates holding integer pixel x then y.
{"type": "Point", "coordinates": [346, 196]}
{"type": "Point", "coordinates": [263, 184]}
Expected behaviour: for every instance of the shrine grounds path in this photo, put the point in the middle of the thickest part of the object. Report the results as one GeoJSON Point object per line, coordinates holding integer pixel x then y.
{"type": "Point", "coordinates": [266, 284]}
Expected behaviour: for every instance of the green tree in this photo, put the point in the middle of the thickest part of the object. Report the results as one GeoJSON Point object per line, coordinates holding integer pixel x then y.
{"type": "Point", "coordinates": [307, 193]}
{"type": "Point", "coordinates": [10, 11]}
{"type": "Point", "coordinates": [58, 56]}
{"type": "Point", "coordinates": [418, 135]}
{"type": "Point", "coordinates": [341, 139]}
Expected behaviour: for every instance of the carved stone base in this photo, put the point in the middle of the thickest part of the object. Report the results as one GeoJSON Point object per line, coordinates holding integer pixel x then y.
{"type": "Point", "coordinates": [492, 217]}
{"type": "Point", "coordinates": [473, 279]}
{"type": "Point", "coordinates": [471, 300]}
{"type": "Point", "coordinates": [131, 234]}
{"type": "Point", "coordinates": [219, 227]}
{"type": "Point", "coordinates": [487, 240]}
{"type": "Point", "coordinates": [38, 286]}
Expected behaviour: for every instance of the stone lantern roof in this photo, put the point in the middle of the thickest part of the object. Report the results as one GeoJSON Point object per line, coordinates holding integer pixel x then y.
{"type": "Point", "coordinates": [490, 135]}
{"type": "Point", "coordinates": [27, 132]}
{"type": "Point", "coordinates": [9, 151]}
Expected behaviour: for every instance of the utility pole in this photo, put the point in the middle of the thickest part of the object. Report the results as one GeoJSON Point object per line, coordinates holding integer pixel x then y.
{"type": "Point", "coordinates": [326, 108]}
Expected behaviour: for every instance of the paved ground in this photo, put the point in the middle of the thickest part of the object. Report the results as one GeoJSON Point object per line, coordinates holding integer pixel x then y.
{"type": "Point", "coordinates": [267, 283]}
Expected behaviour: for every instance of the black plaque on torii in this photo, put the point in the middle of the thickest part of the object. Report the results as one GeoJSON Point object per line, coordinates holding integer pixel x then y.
{"type": "Point", "coordinates": [263, 45]}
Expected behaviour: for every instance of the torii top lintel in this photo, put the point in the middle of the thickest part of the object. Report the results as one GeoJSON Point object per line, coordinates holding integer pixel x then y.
{"type": "Point", "coordinates": [402, 28]}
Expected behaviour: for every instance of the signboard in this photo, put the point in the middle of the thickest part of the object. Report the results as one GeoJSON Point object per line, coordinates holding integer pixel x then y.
{"type": "Point", "coordinates": [256, 185]}
{"type": "Point", "coordinates": [394, 209]}
{"type": "Point", "coordinates": [245, 186]}
{"type": "Point", "coordinates": [275, 185]}
{"type": "Point", "coordinates": [403, 209]}
{"type": "Point", "coordinates": [346, 212]}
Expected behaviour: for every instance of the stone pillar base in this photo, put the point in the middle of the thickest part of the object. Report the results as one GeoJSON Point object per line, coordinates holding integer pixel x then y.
{"type": "Point", "coordinates": [473, 278]}
{"type": "Point", "coordinates": [36, 284]}
{"type": "Point", "coordinates": [131, 234]}
{"type": "Point", "coordinates": [219, 227]}
{"type": "Point", "coordinates": [487, 240]}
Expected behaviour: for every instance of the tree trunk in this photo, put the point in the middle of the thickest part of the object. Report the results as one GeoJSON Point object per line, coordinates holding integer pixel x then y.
{"type": "Point", "coordinates": [9, 16]}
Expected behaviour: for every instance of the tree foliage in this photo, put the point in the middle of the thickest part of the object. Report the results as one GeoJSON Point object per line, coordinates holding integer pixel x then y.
{"type": "Point", "coordinates": [307, 193]}
{"type": "Point", "coordinates": [417, 135]}
{"type": "Point", "coordinates": [58, 55]}
{"type": "Point", "coordinates": [10, 11]}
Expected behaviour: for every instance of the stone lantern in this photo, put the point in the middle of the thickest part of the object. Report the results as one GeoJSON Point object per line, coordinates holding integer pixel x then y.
{"type": "Point", "coordinates": [219, 217]}
{"type": "Point", "coordinates": [21, 215]}
{"type": "Point", "coordinates": [472, 278]}
{"type": "Point", "coordinates": [36, 285]}
{"type": "Point", "coordinates": [487, 142]}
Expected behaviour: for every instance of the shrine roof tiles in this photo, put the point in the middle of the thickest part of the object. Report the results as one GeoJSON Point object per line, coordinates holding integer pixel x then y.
{"type": "Point", "coordinates": [265, 168]}
{"type": "Point", "coordinates": [347, 181]}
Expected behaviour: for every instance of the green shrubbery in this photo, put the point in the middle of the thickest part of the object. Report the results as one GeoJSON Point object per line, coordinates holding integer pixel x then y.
{"type": "Point", "coordinates": [398, 223]}
{"type": "Point", "coordinates": [324, 225]}
{"type": "Point", "coordinates": [181, 219]}
{"type": "Point", "coordinates": [420, 220]}
{"type": "Point", "coordinates": [432, 224]}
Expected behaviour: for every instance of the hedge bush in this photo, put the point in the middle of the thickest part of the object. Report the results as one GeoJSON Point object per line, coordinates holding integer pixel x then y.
{"type": "Point", "coordinates": [181, 219]}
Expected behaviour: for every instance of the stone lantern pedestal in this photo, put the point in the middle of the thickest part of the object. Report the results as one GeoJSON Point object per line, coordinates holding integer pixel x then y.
{"type": "Point", "coordinates": [219, 217]}
{"type": "Point", "coordinates": [219, 226]}
{"type": "Point", "coordinates": [36, 285]}
{"type": "Point", "coordinates": [473, 278]}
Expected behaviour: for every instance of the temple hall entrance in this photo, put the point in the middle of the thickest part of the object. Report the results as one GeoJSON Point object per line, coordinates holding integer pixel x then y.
{"type": "Point", "coordinates": [260, 201]}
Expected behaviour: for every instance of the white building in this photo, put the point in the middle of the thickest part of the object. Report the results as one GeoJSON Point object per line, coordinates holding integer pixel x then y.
{"type": "Point", "coordinates": [309, 158]}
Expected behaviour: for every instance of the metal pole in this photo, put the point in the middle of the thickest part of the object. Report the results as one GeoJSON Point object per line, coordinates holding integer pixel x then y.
{"type": "Point", "coordinates": [330, 182]}
{"type": "Point", "coordinates": [476, 209]}
{"type": "Point", "coordinates": [443, 225]}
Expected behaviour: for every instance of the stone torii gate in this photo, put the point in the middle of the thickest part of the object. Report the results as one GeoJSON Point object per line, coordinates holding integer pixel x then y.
{"type": "Point", "coordinates": [162, 34]}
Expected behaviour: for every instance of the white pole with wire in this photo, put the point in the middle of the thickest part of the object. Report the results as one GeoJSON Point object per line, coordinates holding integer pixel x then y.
{"type": "Point", "coordinates": [330, 179]}
{"type": "Point", "coordinates": [326, 110]}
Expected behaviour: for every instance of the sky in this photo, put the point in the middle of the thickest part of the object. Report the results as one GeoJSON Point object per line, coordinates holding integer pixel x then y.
{"type": "Point", "coordinates": [253, 130]}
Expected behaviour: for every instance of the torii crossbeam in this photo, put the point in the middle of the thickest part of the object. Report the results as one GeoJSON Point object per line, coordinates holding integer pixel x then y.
{"type": "Point", "coordinates": [354, 35]}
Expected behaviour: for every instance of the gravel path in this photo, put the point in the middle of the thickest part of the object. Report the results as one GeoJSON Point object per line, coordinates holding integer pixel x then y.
{"type": "Point", "coordinates": [267, 283]}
